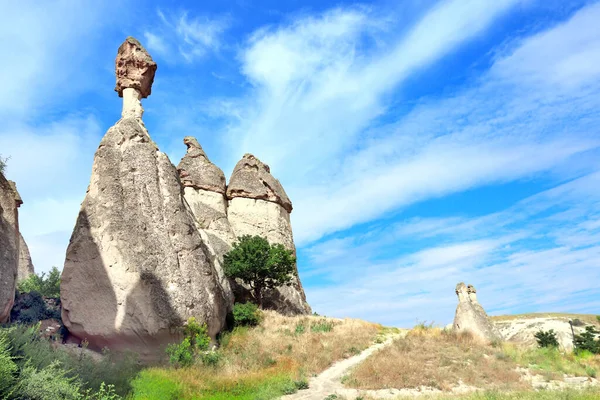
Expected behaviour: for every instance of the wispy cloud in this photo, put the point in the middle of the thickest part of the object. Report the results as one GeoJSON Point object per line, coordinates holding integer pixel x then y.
{"type": "Point", "coordinates": [314, 113]}
{"type": "Point", "coordinates": [189, 37]}
{"type": "Point", "coordinates": [517, 258]}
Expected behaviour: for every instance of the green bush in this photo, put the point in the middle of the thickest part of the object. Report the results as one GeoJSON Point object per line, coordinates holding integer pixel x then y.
{"type": "Point", "coordinates": [211, 358]}
{"type": "Point", "coordinates": [195, 340]}
{"type": "Point", "coordinates": [598, 318]}
{"type": "Point", "coordinates": [547, 339]}
{"type": "Point", "coordinates": [47, 286]}
{"type": "Point", "coordinates": [300, 328]}
{"type": "Point", "coordinates": [8, 368]}
{"type": "Point", "coordinates": [246, 314]}
{"type": "Point", "coordinates": [28, 348]}
{"type": "Point", "coordinates": [49, 383]}
{"type": "Point", "coordinates": [588, 340]}
{"type": "Point", "coordinates": [30, 308]}
{"type": "Point", "coordinates": [181, 354]}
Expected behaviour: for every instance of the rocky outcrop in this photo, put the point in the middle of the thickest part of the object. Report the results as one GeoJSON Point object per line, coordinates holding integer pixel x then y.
{"type": "Point", "coordinates": [204, 190]}
{"type": "Point", "coordinates": [136, 266]}
{"type": "Point", "coordinates": [258, 205]}
{"type": "Point", "coordinates": [25, 264]}
{"type": "Point", "coordinates": [10, 201]}
{"type": "Point", "coordinates": [471, 317]}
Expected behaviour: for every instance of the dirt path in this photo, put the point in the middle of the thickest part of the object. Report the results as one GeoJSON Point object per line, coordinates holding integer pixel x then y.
{"type": "Point", "coordinates": [329, 381]}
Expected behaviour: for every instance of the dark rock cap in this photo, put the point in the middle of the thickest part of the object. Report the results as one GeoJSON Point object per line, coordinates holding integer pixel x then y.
{"type": "Point", "coordinates": [252, 179]}
{"type": "Point", "coordinates": [196, 170]}
{"type": "Point", "coordinates": [134, 67]}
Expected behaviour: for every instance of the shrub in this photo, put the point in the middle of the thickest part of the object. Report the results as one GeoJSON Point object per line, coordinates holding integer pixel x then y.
{"type": "Point", "coordinates": [182, 354]}
{"type": "Point", "coordinates": [598, 318]}
{"type": "Point", "coordinates": [577, 322]}
{"type": "Point", "coordinates": [49, 383]}
{"type": "Point", "coordinates": [8, 368]}
{"type": "Point", "coordinates": [246, 314]}
{"type": "Point", "coordinates": [47, 286]}
{"type": "Point", "coordinates": [587, 341]}
{"type": "Point", "coordinates": [30, 308]}
{"type": "Point", "coordinates": [211, 358]}
{"type": "Point", "coordinates": [547, 339]}
{"type": "Point", "coordinates": [300, 328]}
{"type": "Point", "coordinates": [259, 264]}
{"type": "Point", "coordinates": [195, 340]}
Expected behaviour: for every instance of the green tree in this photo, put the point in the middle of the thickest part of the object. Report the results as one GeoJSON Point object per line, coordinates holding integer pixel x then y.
{"type": "Point", "coordinates": [547, 339]}
{"type": "Point", "coordinates": [588, 340]}
{"type": "Point", "coordinates": [259, 264]}
{"type": "Point", "coordinates": [47, 286]}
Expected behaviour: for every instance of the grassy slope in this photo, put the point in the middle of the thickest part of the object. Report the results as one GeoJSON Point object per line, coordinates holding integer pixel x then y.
{"type": "Point", "coordinates": [263, 362]}
{"type": "Point", "coordinates": [435, 358]}
{"type": "Point", "coordinates": [588, 318]}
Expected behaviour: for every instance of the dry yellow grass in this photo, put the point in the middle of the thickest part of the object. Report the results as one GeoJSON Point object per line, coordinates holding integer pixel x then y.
{"type": "Point", "coordinates": [436, 358]}
{"type": "Point", "coordinates": [296, 347]}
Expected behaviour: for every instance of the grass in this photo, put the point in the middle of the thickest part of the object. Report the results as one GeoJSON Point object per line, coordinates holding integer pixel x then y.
{"type": "Point", "coordinates": [589, 394]}
{"type": "Point", "coordinates": [587, 318]}
{"type": "Point", "coordinates": [553, 361]}
{"type": "Point", "coordinates": [435, 358]}
{"type": "Point", "coordinates": [265, 362]}
{"type": "Point", "coordinates": [441, 359]}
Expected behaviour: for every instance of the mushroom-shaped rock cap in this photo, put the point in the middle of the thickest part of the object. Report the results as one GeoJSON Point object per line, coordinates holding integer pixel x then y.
{"type": "Point", "coordinates": [196, 170]}
{"type": "Point", "coordinates": [253, 180]}
{"type": "Point", "coordinates": [135, 68]}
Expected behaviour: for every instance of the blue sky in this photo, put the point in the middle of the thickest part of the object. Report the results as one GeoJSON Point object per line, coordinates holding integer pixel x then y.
{"type": "Point", "coordinates": [422, 142]}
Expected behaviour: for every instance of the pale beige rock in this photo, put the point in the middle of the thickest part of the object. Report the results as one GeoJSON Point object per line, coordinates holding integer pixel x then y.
{"type": "Point", "coordinates": [252, 179]}
{"type": "Point", "coordinates": [258, 205]}
{"type": "Point", "coordinates": [136, 267]}
{"type": "Point", "coordinates": [471, 317]}
{"type": "Point", "coordinates": [9, 245]}
{"type": "Point", "coordinates": [25, 264]}
{"type": "Point", "coordinates": [204, 191]}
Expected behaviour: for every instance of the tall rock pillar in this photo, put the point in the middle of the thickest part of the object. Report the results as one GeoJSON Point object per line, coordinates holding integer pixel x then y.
{"type": "Point", "coordinates": [10, 201]}
{"type": "Point", "coordinates": [471, 317]}
{"type": "Point", "coordinates": [136, 267]}
{"type": "Point", "coordinates": [258, 205]}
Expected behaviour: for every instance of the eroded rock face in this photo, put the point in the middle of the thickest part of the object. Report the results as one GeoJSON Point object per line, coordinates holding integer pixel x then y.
{"type": "Point", "coordinates": [136, 266]}
{"type": "Point", "coordinates": [25, 264]}
{"type": "Point", "coordinates": [258, 205]}
{"type": "Point", "coordinates": [9, 245]}
{"type": "Point", "coordinates": [204, 190]}
{"type": "Point", "coordinates": [251, 179]}
{"type": "Point", "coordinates": [135, 68]}
{"type": "Point", "coordinates": [471, 317]}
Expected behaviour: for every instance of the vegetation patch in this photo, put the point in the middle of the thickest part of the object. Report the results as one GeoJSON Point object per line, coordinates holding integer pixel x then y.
{"type": "Point", "coordinates": [261, 362]}
{"type": "Point", "coordinates": [435, 358]}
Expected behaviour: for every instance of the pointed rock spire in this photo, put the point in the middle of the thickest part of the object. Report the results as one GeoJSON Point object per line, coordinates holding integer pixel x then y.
{"type": "Point", "coordinates": [196, 170]}
{"type": "Point", "coordinates": [471, 317]}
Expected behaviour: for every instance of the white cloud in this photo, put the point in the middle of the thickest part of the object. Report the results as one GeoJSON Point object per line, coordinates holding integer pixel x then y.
{"type": "Point", "coordinates": [512, 269]}
{"type": "Point", "coordinates": [189, 37]}
{"type": "Point", "coordinates": [319, 91]}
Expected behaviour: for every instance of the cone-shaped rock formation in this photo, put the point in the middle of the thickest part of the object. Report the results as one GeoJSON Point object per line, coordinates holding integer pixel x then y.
{"type": "Point", "coordinates": [471, 317]}
{"type": "Point", "coordinates": [258, 205]}
{"type": "Point", "coordinates": [204, 189]}
{"type": "Point", "coordinates": [136, 266]}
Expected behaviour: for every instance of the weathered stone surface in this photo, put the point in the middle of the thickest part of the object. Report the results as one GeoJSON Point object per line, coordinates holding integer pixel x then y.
{"type": "Point", "coordinates": [471, 317]}
{"type": "Point", "coordinates": [204, 191]}
{"type": "Point", "coordinates": [9, 245]}
{"type": "Point", "coordinates": [25, 264]}
{"type": "Point", "coordinates": [136, 267]}
{"type": "Point", "coordinates": [196, 170]}
{"type": "Point", "coordinates": [258, 205]}
{"type": "Point", "coordinates": [251, 179]}
{"type": "Point", "coordinates": [135, 68]}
